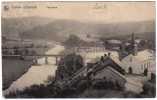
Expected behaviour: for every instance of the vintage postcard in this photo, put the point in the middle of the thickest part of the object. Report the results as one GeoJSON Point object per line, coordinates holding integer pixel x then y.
{"type": "Point", "coordinates": [78, 49]}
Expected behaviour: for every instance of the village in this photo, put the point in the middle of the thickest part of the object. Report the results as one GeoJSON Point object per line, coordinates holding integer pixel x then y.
{"type": "Point", "coordinates": [122, 66]}
{"type": "Point", "coordinates": [78, 49]}
{"type": "Point", "coordinates": [125, 63]}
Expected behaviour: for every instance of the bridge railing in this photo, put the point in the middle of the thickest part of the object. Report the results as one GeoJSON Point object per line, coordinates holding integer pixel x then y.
{"type": "Point", "coordinates": [36, 57]}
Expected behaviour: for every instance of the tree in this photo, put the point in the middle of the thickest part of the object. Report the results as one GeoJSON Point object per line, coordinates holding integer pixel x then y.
{"type": "Point", "coordinates": [69, 65]}
{"type": "Point", "coordinates": [142, 43]}
{"type": "Point", "coordinates": [72, 41]}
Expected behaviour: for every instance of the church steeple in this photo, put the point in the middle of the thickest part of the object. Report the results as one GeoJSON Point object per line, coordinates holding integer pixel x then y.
{"type": "Point", "coordinates": [122, 52]}
{"type": "Point", "coordinates": [133, 45]}
{"type": "Point", "coordinates": [132, 40]}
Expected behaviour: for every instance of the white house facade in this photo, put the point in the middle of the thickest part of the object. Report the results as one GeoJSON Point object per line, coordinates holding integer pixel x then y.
{"type": "Point", "coordinates": [143, 60]}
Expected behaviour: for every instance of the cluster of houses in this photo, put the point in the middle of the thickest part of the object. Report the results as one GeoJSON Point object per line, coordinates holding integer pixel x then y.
{"type": "Point", "coordinates": [130, 67]}
{"type": "Point", "coordinates": [17, 46]}
{"type": "Point", "coordinates": [129, 55]}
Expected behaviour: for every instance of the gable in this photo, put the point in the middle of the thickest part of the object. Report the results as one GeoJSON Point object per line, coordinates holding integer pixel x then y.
{"type": "Point", "coordinates": [110, 74]}
{"type": "Point", "coordinates": [109, 62]}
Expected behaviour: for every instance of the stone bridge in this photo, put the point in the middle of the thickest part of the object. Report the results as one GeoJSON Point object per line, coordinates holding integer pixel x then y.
{"type": "Point", "coordinates": [36, 57]}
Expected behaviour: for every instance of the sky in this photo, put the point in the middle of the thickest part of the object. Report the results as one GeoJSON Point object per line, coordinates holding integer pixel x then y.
{"type": "Point", "coordinates": [107, 12]}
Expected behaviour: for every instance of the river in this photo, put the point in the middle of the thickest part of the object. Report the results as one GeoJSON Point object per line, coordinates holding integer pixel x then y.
{"type": "Point", "coordinates": [37, 74]}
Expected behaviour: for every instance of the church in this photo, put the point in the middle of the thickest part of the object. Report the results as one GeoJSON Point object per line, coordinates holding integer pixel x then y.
{"type": "Point", "coordinates": [143, 60]}
{"type": "Point", "coordinates": [136, 62]}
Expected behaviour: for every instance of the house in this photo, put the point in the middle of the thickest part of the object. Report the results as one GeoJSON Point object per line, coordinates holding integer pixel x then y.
{"type": "Point", "coordinates": [113, 44]}
{"type": "Point", "coordinates": [135, 61]}
{"type": "Point", "coordinates": [109, 71]}
{"type": "Point", "coordinates": [138, 63]}
{"type": "Point", "coordinates": [96, 46]}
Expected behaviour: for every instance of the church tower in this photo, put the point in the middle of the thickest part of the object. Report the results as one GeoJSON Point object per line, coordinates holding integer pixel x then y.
{"type": "Point", "coordinates": [133, 45]}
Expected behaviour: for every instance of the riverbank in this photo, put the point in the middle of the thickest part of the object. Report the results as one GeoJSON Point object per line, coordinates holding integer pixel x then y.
{"type": "Point", "coordinates": [12, 69]}
{"type": "Point", "coordinates": [37, 74]}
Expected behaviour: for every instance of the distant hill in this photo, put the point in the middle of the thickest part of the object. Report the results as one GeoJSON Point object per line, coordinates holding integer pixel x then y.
{"type": "Point", "coordinates": [14, 26]}
{"type": "Point", "coordinates": [58, 30]}
{"type": "Point", "coordinates": [144, 35]}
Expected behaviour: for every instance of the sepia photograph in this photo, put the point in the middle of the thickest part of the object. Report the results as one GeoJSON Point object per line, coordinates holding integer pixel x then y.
{"type": "Point", "coordinates": [82, 49]}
